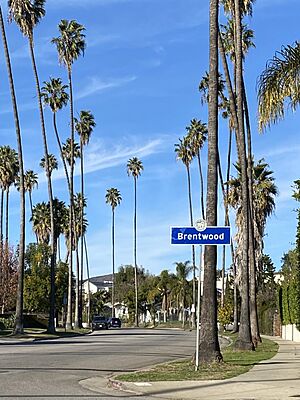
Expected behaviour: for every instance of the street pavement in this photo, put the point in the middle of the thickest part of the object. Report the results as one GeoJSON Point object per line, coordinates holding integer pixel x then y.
{"type": "Point", "coordinates": [274, 379]}
{"type": "Point", "coordinates": [84, 367]}
{"type": "Point", "coordinates": [61, 368]}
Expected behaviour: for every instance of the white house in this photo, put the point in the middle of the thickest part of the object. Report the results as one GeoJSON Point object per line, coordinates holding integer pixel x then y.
{"type": "Point", "coordinates": [102, 282]}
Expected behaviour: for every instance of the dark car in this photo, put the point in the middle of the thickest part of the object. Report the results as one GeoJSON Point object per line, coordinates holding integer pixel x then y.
{"type": "Point", "coordinates": [114, 322]}
{"type": "Point", "coordinates": [99, 323]}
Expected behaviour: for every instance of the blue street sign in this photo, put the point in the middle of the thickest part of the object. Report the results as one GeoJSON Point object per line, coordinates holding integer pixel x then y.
{"type": "Point", "coordinates": [212, 235]}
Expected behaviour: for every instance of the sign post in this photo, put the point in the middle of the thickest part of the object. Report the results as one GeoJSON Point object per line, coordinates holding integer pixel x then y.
{"type": "Point", "coordinates": [203, 235]}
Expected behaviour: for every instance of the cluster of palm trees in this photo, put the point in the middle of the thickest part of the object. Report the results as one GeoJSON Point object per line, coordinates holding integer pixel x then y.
{"type": "Point", "coordinates": [56, 217]}
{"type": "Point", "coordinates": [251, 193]}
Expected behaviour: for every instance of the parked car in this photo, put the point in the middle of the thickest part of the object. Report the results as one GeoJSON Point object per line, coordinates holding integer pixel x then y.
{"type": "Point", "coordinates": [114, 322]}
{"type": "Point", "coordinates": [99, 322]}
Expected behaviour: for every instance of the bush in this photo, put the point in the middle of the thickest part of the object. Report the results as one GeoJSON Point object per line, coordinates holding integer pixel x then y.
{"type": "Point", "coordinates": [7, 323]}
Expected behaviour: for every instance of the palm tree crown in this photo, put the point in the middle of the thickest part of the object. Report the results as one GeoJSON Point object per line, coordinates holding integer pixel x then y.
{"type": "Point", "coordinates": [197, 135]}
{"type": "Point", "coordinates": [71, 42]}
{"type": "Point", "coordinates": [27, 14]}
{"type": "Point", "coordinates": [54, 94]}
{"type": "Point", "coordinates": [9, 166]}
{"type": "Point", "coordinates": [52, 161]}
{"type": "Point", "coordinates": [279, 83]}
{"type": "Point", "coordinates": [66, 150]}
{"type": "Point", "coordinates": [30, 181]}
{"type": "Point", "coordinates": [113, 197]}
{"type": "Point", "coordinates": [134, 167]}
{"type": "Point", "coordinates": [183, 152]}
{"type": "Point", "coordinates": [84, 126]}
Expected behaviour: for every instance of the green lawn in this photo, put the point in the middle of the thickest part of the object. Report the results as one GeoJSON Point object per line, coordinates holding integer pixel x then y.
{"type": "Point", "coordinates": [35, 333]}
{"type": "Point", "coordinates": [235, 363]}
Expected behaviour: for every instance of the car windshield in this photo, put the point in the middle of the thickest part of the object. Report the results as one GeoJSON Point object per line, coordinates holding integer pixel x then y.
{"type": "Point", "coordinates": [99, 319]}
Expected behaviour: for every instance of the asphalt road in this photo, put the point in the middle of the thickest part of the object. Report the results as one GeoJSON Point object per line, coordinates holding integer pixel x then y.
{"type": "Point", "coordinates": [60, 369]}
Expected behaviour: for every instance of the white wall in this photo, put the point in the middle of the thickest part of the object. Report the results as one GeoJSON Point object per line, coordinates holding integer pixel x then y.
{"type": "Point", "coordinates": [290, 332]}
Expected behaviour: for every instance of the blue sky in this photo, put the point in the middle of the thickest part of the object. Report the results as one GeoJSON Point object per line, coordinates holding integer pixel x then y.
{"type": "Point", "coordinates": [139, 77]}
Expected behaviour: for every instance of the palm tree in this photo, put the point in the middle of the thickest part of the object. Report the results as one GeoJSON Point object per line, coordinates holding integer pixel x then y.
{"type": "Point", "coordinates": [80, 227]}
{"type": "Point", "coordinates": [30, 181]}
{"type": "Point", "coordinates": [41, 224]}
{"type": "Point", "coordinates": [84, 127]}
{"type": "Point", "coordinates": [197, 135]}
{"type": "Point", "coordinates": [244, 340]}
{"type": "Point", "coordinates": [164, 287]}
{"type": "Point", "coordinates": [209, 345]}
{"type": "Point", "coordinates": [113, 198]}
{"type": "Point", "coordinates": [8, 175]}
{"type": "Point", "coordinates": [52, 163]}
{"type": "Point", "coordinates": [278, 85]}
{"type": "Point", "coordinates": [55, 96]}
{"type": "Point", "coordinates": [67, 150]}
{"type": "Point", "coordinates": [134, 168]}
{"type": "Point", "coordinates": [184, 152]}
{"type": "Point", "coordinates": [183, 269]}
{"type": "Point", "coordinates": [227, 34]}
{"type": "Point", "coordinates": [18, 328]}
{"type": "Point", "coordinates": [264, 192]}
{"type": "Point", "coordinates": [70, 45]}
{"type": "Point", "coordinates": [27, 14]}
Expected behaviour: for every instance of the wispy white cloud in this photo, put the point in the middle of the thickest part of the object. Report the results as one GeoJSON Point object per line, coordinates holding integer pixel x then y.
{"type": "Point", "coordinates": [96, 85]}
{"type": "Point", "coordinates": [7, 109]}
{"type": "Point", "coordinates": [279, 151]}
{"type": "Point", "coordinates": [99, 157]}
{"type": "Point", "coordinates": [97, 39]}
{"type": "Point", "coordinates": [45, 52]}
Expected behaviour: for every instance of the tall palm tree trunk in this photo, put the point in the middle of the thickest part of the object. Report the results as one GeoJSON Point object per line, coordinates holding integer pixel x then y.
{"type": "Point", "coordinates": [252, 258]}
{"type": "Point", "coordinates": [81, 226]}
{"type": "Point", "coordinates": [244, 337]}
{"type": "Point", "coordinates": [76, 317]}
{"type": "Point", "coordinates": [6, 266]}
{"type": "Point", "coordinates": [18, 328]}
{"type": "Point", "coordinates": [51, 322]}
{"type": "Point", "coordinates": [209, 344]}
{"type": "Point", "coordinates": [193, 247]}
{"type": "Point", "coordinates": [1, 236]}
{"type": "Point", "coordinates": [113, 264]}
{"type": "Point", "coordinates": [135, 262]}
{"type": "Point", "coordinates": [233, 112]}
{"type": "Point", "coordinates": [31, 210]}
{"type": "Point", "coordinates": [69, 309]}
{"type": "Point", "coordinates": [201, 184]}
{"type": "Point", "coordinates": [88, 280]}
{"type": "Point", "coordinates": [61, 150]}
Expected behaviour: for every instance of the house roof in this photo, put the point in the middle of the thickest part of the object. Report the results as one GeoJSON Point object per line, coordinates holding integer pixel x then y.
{"type": "Point", "coordinates": [101, 281]}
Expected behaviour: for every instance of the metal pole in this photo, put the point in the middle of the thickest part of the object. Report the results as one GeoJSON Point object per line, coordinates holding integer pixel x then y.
{"type": "Point", "coordinates": [198, 307]}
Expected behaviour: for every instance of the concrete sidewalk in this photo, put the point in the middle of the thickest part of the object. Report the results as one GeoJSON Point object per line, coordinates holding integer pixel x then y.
{"type": "Point", "coordinates": [277, 378]}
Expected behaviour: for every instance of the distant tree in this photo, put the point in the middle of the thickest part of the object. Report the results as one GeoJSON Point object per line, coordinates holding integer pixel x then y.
{"type": "Point", "coordinates": [267, 290]}
{"type": "Point", "coordinates": [125, 289]}
{"type": "Point", "coordinates": [37, 279]}
{"type": "Point", "coordinates": [98, 301]}
{"type": "Point", "coordinates": [8, 287]}
{"type": "Point", "coordinates": [183, 269]}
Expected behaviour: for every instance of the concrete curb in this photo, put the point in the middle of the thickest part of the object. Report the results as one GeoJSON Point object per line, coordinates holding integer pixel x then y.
{"type": "Point", "coordinates": [118, 385]}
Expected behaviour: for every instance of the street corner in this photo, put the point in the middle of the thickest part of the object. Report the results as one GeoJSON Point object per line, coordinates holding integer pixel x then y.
{"type": "Point", "coordinates": [107, 386]}
{"type": "Point", "coordinates": [128, 387]}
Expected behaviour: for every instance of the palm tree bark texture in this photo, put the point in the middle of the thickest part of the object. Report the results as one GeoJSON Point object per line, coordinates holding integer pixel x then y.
{"type": "Point", "coordinates": [209, 344]}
